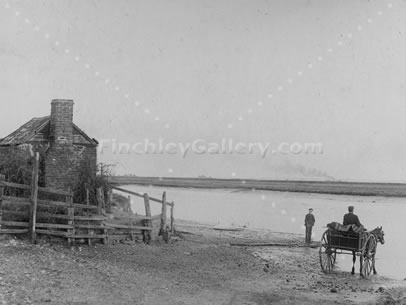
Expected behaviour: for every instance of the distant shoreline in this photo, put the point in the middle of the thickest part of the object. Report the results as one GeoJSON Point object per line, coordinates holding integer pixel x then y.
{"type": "Point", "coordinates": [320, 187]}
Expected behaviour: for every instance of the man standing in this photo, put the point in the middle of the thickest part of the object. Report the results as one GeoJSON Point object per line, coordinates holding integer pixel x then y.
{"type": "Point", "coordinates": [350, 218]}
{"type": "Point", "coordinates": [309, 223]}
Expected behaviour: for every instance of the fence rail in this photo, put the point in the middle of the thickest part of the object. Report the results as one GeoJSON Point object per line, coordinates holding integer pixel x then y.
{"type": "Point", "coordinates": [15, 223]}
{"type": "Point", "coordinates": [16, 185]}
{"type": "Point", "coordinates": [15, 200]}
{"type": "Point", "coordinates": [66, 204]}
{"type": "Point", "coordinates": [140, 195]}
{"type": "Point", "coordinates": [41, 189]}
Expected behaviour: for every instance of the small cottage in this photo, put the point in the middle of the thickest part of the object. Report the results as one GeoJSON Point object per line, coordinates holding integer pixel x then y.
{"type": "Point", "coordinates": [63, 146]}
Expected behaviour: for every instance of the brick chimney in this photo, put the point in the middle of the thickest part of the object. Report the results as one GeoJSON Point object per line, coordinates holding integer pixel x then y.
{"type": "Point", "coordinates": [65, 158]}
{"type": "Point", "coordinates": [60, 159]}
{"type": "Point", "coordinates": [61, 128]}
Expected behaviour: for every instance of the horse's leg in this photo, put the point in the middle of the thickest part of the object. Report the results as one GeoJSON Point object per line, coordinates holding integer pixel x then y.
{"type": "Point", "coordinates": [373, 257]}
{"type": "Point", "coordinates": [360, 264]}
{"type": "Point", "coordinates": [353, 262]}
{"type": "Point", "coordinates": [373, 264]}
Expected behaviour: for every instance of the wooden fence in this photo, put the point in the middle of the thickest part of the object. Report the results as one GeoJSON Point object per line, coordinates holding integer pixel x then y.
{"type": "Point", "coordinates": [49, 217]}
{"type": "Point", "coordinates": [64, 218]}
{"type": "Point", "coordinates": [151, 221]}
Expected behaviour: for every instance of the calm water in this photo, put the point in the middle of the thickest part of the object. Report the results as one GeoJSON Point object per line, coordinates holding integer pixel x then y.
{"type": "Point", "coordinates": [285, 212]}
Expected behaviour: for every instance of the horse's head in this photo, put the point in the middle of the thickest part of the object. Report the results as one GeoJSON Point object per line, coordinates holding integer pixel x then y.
{"type": "Point", "coordinates": [379, 234]}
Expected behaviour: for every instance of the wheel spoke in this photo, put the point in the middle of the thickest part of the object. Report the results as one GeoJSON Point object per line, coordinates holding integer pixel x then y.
{"type": "Point", "coordinates": [326, 254]}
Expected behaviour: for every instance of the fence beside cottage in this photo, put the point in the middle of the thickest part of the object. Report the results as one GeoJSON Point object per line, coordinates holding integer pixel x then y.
{"type": "Point", "coordinates": [153, 222]}
{"type": "Point", "coordinates": [27, 213]}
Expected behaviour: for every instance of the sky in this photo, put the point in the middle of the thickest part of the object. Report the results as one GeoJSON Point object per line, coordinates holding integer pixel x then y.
{"type": "Point", "coordinates": [277, 73]}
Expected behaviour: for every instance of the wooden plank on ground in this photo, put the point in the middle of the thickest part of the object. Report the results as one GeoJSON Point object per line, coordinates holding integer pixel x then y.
{"type": "Point", "coordinates": [293, 244]}
{"type": "Point", "coordinates": [230, 229]}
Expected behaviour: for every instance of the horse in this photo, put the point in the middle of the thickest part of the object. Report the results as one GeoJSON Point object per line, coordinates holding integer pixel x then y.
{"type": "Point", "coordinates": [373, 237]}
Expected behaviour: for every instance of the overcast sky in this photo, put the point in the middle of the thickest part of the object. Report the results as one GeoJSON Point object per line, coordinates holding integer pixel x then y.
{"type": "Point", "coordinates": [329, 72]}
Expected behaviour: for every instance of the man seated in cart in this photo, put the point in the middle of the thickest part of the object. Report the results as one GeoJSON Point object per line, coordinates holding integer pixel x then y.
{"type": "Point", "coordinates": [350, 218]}
{"type": "Point", "coordinates": [350, 236]}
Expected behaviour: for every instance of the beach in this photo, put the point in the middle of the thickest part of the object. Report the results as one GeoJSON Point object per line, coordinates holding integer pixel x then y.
{"type": "Point", "coordinates": [199, 265]}
{"type": "Point", "coordinates": [285, 212]}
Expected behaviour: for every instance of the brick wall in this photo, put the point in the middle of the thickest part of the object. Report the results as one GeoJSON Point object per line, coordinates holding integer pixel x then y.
{"type": "Point", "coordinates": [63, 164]}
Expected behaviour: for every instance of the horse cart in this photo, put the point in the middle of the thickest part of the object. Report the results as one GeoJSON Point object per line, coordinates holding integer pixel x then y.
{"type": "Point", "coordinates": [361, 244]}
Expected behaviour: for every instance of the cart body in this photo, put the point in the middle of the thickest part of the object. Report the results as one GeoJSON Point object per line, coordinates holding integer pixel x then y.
{"type": "Point", "coordinates": [349, 241]}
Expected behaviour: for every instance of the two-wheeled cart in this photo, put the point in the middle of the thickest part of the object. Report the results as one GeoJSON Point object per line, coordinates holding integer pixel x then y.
{"type": "Point", "coordinates": [335, 242]}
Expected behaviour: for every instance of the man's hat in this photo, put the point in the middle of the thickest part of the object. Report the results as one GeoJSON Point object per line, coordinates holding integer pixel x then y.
{"type": "Point", "coordinates": [310, 209]}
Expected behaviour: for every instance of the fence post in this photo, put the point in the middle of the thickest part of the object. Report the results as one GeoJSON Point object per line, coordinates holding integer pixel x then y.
{"type": "Point", "coordinates": [148, 222]}
{"type": "Point", "coordinates": [172, 218]}
{"type": "Point", "coordinates": [2, 178]}
{"type": "Point", "coordinates": [71, 215]}
{"type": "Point", "coordinates": [101, 210]}
{"type": "Point", "coordinates": [164, 230]}
{"type": "Point", "coordinates": [34, 197]}
{"type": "Point", "coordinates": [89, 241]}
{"type": "Point", "coordinates": [100, 201]}
{"type": "Point", "coordinates": [128, 207]}
{"type": "Point", "coordinates": [87, 196]}
{"type": "Point", "coordinates": [110, 196]}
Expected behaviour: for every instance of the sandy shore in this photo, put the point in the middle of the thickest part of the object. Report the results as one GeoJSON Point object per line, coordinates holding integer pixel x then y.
{"type": "Point", "coordinates": [197, 267]}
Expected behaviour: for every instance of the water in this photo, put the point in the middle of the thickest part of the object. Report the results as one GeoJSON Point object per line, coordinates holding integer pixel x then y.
{"type": "Point", "coordinates": [285, 212]}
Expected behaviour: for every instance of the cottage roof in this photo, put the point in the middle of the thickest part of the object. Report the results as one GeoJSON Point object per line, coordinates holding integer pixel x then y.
{"type": "Point", "coordinates": [36, 130]}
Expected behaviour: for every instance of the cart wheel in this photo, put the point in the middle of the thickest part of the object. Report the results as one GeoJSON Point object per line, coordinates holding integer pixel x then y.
{"type": "Point", "coordinates": [368, 257]}
{"type": "Point", "coordinates": [327, 255]}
